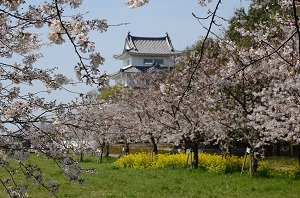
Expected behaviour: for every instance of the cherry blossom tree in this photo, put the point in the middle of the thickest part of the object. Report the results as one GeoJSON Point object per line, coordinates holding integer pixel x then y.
{"type": "Point", "coordinates": [249, 82]}
{"type": "Point", "coordinates": [124, 125]}
{"type": "Point", "coordinates": [187, 107]}
{"type": "Point", "coordinates": [87, 129]}
{"type": "Point", "coordinates": [26, 30]}
{"type": "Point", "coordinates": [275, 117]}
{"type": "Point", "coordinates": [239, 83]}
{"type": "Point", "coordinates": [77, 132]}
{"type": "Point", "coordinates": [146, 103]}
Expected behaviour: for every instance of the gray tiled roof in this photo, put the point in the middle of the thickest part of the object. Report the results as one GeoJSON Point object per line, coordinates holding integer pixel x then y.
{"type": "Point", "coordinates": [132, 70]}
{"type": "Point", "coordinates": [139, 69]}
{"type": "Point", "coordinates": [148, 46]}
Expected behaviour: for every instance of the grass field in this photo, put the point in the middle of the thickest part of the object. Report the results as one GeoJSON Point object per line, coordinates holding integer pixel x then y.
{"type": "Point", "coordinates": [114, 182]}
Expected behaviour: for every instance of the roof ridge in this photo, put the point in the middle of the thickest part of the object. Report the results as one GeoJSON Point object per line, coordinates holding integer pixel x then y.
{"type": "Point", "coordinates": [145, 37]}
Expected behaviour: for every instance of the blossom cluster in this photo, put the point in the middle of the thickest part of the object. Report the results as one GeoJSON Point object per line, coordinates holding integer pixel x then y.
{"type": "Point", "coordinates": [136, 3]}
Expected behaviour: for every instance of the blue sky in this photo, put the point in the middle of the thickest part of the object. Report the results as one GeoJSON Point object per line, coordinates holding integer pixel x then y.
{"type": "Point", "coordinates": [153, 19]}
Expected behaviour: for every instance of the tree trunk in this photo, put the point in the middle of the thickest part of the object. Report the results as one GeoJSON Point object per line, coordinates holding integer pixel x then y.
{"type": "Point", "coordinates": [154, 145]}
{"type": "Point", "coordinates": [195, 146]}
{"type": "Point", "coordinates": [227, 147]}
{"type": "Point", "coordinates": [185, 144]}
{"type": "Point", "coordinates": [107, 149]}
{"type": "Point", "coordinates": [100, 157]}
{"type": "Point", "coordinates": [253, 163]}
{"type": "Point", "coordinates": [276, 149]}
{"type": "Point", "coordinates": [126, 148]}
{"type": "Point", "coordinates": [81, 156]}
{"type": "Point", "coordinates": [299, 153]}
{"type": "Point", "coordinates": [228, 150]}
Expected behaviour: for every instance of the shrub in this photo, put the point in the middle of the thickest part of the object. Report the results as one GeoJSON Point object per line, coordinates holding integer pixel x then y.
{"type": "Point", "coordinates": [137, 160]}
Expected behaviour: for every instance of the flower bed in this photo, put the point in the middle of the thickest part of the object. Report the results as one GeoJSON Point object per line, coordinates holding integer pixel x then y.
{"type": "Point", "coordinates": [207, 162]}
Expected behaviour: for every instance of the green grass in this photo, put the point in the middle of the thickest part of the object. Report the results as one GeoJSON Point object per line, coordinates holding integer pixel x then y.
{"type": "Point", "coordinates": [114, 182]}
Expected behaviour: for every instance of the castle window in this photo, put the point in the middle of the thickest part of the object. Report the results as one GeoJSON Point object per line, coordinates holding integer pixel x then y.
{"type": "Point", "coordinates": [159, 61]}
{"type": "Point", "coordinates": [152, 61]}
{"type": "Point", "coordinates": [148, 61]}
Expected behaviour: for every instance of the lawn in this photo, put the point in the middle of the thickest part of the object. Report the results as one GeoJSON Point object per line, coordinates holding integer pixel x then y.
{"type": "Point", "coordinates": [116, 182]}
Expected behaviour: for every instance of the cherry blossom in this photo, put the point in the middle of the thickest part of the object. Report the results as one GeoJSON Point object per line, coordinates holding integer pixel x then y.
{"type": "Point", "coordinates": [136, 3]}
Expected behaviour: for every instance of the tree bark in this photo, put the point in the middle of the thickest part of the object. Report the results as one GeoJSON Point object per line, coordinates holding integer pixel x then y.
{"type": "Point", "coordinates": [81, 156]}
{"type": "Point", "coordinates": [299, 153]}
{"type": "Point", "coordinates": [253, 163]}
{"type": "Point", "coordinates": [126, 148]}
{"type": "Point", "coordinates": [195, 146]}
{"type": "Point", "coordinates": [107, 149]}
{"type": "Point", "coordinates": [185, 144]}
{"type": "Point", "coordinates": [154, 145]}
{"type": "Point", "coordinates": [100, 157]}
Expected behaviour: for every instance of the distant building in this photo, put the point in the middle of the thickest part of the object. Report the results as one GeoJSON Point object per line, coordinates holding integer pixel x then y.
{"type": "Point", "coordinates": [144, 54]}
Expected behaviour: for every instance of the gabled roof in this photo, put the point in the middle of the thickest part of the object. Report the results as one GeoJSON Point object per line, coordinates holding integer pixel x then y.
{"type": "Point", "coordinates": [149, 46]}
{"type": "Point", "coordinates": [131, 70]}
{"type": "Point", "coordinates": [134, 69]}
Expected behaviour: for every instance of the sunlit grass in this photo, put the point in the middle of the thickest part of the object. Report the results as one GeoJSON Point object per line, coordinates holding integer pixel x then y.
{"type": "Point", "coordinates": [111, 181]}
